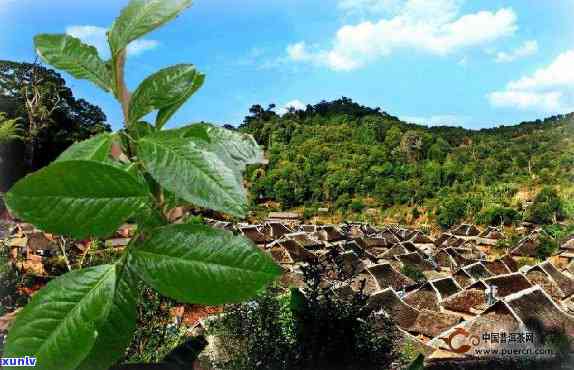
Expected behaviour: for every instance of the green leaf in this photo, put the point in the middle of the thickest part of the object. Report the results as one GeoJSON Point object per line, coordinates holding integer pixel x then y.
{"type": "Point", "coordinates": [96, 148]}
{"type": "Point", "coordinates": [116, 331]}
{"type": "Point", "coordinates": [141, 17]}
{"type": "Point", "coordinates": [236, 148]}
{"type": "Point", "coordinates": [70, 318]}
{"type": "Point", "coordinates": [188, 167]}
{"type": "Point", "coordinates": [166, 90]}
{"type": "Point", "coordinates": [77, 198]}
{"type": "Point", "coordinates": [198, 264]}
{"type": "Point", "coordinates": [418, 363]}
{"type": "Point", "coordinates": [73, 56]}
{"type": "Point", "coordinates": [140, 129]}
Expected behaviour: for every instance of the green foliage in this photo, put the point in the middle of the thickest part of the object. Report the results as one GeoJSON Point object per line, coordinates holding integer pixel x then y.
{"type": "Point", "coordinates": [234, 269]}
{"type": "Point", "coordinates": [10, 280]}
{"type": "Point", "coordinates": [413, 272]}
{"type": "Point", "coordinates": [259, 334]}
{"type": "Point", "coordinates": [342, 149]}
{"type": "Point", "coordinates": [451, 212]}
{"type": "Point", "coordinates": [547, 246]}
{"type": "Point", "coordinates": [546, 208]}
{"type": "Point", "coordinates": [165, 91]}
{"type": "Point", "coordinates": [102, 195]}
{"type": "Point", "coordinates": [59, 315]}
{"type": "Point", "coordinates": [312, 328]}
{"type": "Point", "coordinates": [50, 118]}
{"type": "Point", "coordinates": [85, 319]}
{"type": "Point", "coordinates": [9, 129]}
{"type": "Point", "coordinates": [155, 334]}
{"type": "Point", "coordinates": [498, 215]}
{"type": "Point", "coordinates": [418, 363]}
{"type": "Point", "coordinates": [357, 205]}
{"type": "Point", "coordinates": [73, 56]}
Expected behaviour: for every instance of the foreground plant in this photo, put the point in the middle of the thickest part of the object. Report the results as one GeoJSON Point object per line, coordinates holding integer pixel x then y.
{"type": "Point", "coordinates": [86, 318]}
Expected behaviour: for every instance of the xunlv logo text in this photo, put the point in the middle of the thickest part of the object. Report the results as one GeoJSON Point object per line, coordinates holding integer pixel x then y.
{"type": "Point", "coordinates": [18, 361]}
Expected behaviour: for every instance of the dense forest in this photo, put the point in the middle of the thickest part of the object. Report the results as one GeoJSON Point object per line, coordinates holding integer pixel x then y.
{"type": "Point", "coordinates": [349, 158]}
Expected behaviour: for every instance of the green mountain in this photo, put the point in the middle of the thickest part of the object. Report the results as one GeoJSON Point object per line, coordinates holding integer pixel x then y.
{"type": "Point", "coordinates": [349, 157]}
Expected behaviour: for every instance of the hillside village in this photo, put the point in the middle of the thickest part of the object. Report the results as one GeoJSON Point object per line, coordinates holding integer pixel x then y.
{"type": "Point", "coordinates": [465, 286]}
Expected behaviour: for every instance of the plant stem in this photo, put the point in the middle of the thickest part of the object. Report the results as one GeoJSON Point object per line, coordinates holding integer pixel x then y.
{"type": "Point", "coordinates": [122, 92]}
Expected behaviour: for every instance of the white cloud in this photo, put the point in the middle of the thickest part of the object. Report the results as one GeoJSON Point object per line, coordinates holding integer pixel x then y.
{"type": "Point", "coordinates": [438, 120]}
{"type": "Point", "coordinates": [363, 7]}
{"type": "Point", "coordinates": [549, 89]}
{"type": "Point", "coordinates": [432, 26]}
{"type": "Point", "coordinates": [528, 48]}
{"type": "Point", "coordinates": [296, 103]}
{"type": "Point", "coordinates": [96, 36]}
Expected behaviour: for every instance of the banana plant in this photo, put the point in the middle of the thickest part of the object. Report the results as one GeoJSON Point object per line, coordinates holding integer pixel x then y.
{"type": "Point", "coordinates": [86, 318]}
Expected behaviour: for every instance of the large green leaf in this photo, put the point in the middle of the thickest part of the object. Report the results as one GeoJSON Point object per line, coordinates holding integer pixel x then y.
{"type": "Point", "coordinates": [236, 148]}
{"type": "Point", "coordinates": [141, 17]}
{"type": "Point", "coordinates": [166, 90]}
{"type": "Point", "coordinates": [77, 198]}
{"type": "Point", "coordinates": [78, 59]}
{"type": "Point", "coordinates": [96, 148]}
{"type": "Point", "coordinates": [71, 317]}
{"type": "Point", "coordinates": [198, 264]}
{"type": "Point", "coordinates": [186, 166]}
{"type": "Point", "coordinates": [116, 331]}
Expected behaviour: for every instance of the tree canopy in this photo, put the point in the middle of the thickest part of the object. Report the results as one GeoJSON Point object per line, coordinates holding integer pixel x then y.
{"type": "Point", "coordinates": [334, 152]}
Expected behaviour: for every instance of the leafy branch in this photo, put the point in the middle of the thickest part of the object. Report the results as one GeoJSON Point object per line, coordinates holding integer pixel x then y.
{"type": "Point", "coordinates": [86, 318]}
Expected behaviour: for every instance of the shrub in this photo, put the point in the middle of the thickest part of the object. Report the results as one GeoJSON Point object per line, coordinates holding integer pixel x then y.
{"type": "Point", "coordinates": [357, 205]}
{"type": "Point", "coordinates": [343, 202]}
{"type": "Point", "coordinates": [312, 328]}
{"type": "Point", "coordinates": [155, 335]}
{"type": "Point", "coordinates": [256, 335]}
{"type": "Point", "coordinates": [498, 215]}
{"type": "Point", "coordinates": [547, 246]}
{"type": "Point", "coordinates": [451, 212]}
{"type": "Point", "coordinates": [546, 208]}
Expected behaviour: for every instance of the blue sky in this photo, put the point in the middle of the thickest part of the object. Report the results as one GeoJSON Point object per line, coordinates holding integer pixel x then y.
{"type": "Point", "coordinates": [472, 63]}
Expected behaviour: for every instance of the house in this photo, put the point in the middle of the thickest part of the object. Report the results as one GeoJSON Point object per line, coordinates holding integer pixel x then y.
{"type": "Point", "coordinates": [526, 247]}
{"type": "Point", "coordinates": [305, 240]}
{"type": "Point", "coordinates": [415, 259]}
{"type": "Point", "coordinates": [351, 245]}
{"type": "Point", "coordinates": [386, 276]}
{"type": "Point", "coordinates": [289, 218]}
{"type": "Point", "coordinates": [508, 284]}
{"type": "Point", "coordinates": [254, 233]}
{"type": "Point", "coordinates": [329, 233]}
{"type": "Point", "coordinates": [468, 301]}
{"type": "Point", "coordinates": [30, 249]}
{"type": "Point", "coordinates": [490, 236]}
{"type": "Point", "coordinates": [389, 302]}
{"type": "Point", "coordinates": [350, 263]}
{"type": "Point", "coordinates": [426, 297]}
{"type": "Point", "coordinates": [477, 271]}
{"type": "Point", "coordinates": [288, 251]}
{"type": "Point", "coordinates": [432, 323]}
{"type": "Point", "coordinates": [446, 287]}
{"type": "Point", "coordinates": [497, 267]}
{"type": "Point", "coordinates": [510, 262]}
{"type": "Point", "coordinates": [463, 278]}
{"type": "Point", "coordinates": [465, 231]}
{"type": "Point", "coordinates": [555, 283]}
{"type": "Point", "coordinates": [276, 230]}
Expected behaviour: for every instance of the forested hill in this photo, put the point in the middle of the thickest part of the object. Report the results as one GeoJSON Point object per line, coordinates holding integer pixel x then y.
{"type": "Point", "coordinates": [349, 157]}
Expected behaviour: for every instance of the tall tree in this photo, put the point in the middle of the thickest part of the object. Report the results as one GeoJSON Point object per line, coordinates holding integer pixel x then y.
{"type": "Point", "coordinates": [51, 118]}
